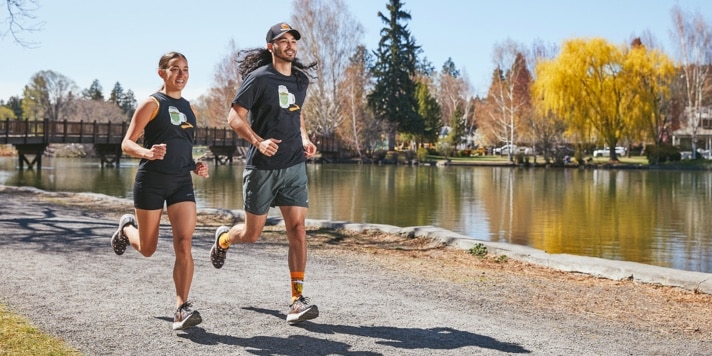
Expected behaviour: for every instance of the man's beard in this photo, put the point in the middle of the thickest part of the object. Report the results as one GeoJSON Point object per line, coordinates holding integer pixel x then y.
{"type": "Point", "coordinates": [282, 56]}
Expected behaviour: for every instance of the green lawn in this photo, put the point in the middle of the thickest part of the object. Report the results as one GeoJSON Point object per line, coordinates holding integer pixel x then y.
{"type": "Point", "coordinates": [19, 337]}
{"type": "Point", "coordinates": [633, 160]}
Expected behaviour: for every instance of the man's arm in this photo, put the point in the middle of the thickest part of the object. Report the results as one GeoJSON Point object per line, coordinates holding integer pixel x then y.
{"type": "Point", "coordinates": [237, 119]}
{"type": "Point", "coordinates": [309, 147]}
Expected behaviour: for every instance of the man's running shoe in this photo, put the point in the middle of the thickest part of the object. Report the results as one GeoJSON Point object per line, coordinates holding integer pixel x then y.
{"type": "Point", "coordinates": [119, 241]}
{"type": "Point", "coordinates": [185, 317]}
{"type": "Point", "coordinates": [301, 310]}
{"type": "Point", "coordinates": [217, 253]}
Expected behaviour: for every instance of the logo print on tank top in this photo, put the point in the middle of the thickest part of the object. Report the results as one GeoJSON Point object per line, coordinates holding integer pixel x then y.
{"type": "Point", "coordinates": [177, 117]}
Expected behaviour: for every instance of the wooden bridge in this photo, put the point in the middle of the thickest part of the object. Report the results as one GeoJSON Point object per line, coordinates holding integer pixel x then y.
{"type": "Point", "coordinates": [31, 139]}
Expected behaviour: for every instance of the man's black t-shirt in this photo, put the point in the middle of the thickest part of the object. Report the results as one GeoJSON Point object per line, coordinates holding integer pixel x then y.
{"type": "Point", "coordinates": [275, 104]}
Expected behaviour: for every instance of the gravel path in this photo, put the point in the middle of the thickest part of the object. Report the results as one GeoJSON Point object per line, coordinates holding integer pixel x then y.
{"type": "Point", "coordinates": [58, 269]}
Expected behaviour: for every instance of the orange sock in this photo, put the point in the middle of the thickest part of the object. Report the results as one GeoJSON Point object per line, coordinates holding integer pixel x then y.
{"type": "Point", "coordinates": [224, 240]}
{"type": "Point", "coordinates": [297, 284]}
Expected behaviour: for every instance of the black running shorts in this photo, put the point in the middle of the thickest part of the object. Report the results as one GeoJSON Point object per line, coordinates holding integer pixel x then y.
{"type": "Point", "coordinates": [151, 190]}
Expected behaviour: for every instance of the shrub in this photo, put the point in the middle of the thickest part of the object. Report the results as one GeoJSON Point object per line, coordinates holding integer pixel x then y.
{"type": "Point", "coordinates": [422, 154]}
{"type": "Point", "coordinates": [521, 159]}
{"type": "Point", "coordinates": [657, 154]}
{"type": "Point", "coordinates": [444, 149]}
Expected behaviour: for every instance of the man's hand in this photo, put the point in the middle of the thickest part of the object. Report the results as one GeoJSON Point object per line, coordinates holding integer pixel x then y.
{"type": "Point", "coordinates": [309, 149]}
{"type": "Point", "coordinates": [269, 147]}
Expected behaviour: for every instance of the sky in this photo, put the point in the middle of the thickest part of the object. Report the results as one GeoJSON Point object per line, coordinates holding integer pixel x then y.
{"type": "Point", "coordinates": [121, 41]}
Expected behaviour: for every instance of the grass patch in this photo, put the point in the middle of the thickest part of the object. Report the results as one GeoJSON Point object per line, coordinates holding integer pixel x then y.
{"type": "Point", "coordinates": [479, 250]}
{"type": "Point", "coordinates": [19, 337]}
{"type": "Point", "coordinates": [501, 259]}
{"type": "Point", "coordinates": [490, 158]}
{"type": "Point", "coordinates": [635, 160]}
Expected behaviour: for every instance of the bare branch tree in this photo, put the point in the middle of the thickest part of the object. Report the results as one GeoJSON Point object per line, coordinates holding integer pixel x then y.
{"type": "Point", "coordinates": [213, 107]}
{"type": "Point", "coordinates": [694, 46]}
{"type": "Point", "coordinates": [330, 36]}
{"type": "Point", "coordinates": [452, 92]}
{"type": "Point", "coordinates": [509, 95]}
{"type": "Point", "coordinates": [49, 95]}
{"type": "Point", "coordinates": [95, 110]}
{"type": "Point", "coordinates": [361, 129]}
{"type": "Point", "coordinates": [20, 18]}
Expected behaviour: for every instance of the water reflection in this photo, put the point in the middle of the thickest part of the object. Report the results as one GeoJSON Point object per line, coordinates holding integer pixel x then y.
{"type": "Point", "coordinates": [652, 217]}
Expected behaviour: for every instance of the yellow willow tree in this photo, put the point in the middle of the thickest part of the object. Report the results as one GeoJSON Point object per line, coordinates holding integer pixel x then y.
{"type": "Point", "coordinates": [650, 75]}
{"type": "Point", "coordinates": [586, 86]}
{"type": "Point", "coordinates": [546, 128]}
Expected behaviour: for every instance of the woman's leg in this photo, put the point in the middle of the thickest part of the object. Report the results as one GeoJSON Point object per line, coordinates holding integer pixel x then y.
{"type": "Point", "coordinates": [144, 238]}
{"type": "Point", "coordinates": [183, 217]}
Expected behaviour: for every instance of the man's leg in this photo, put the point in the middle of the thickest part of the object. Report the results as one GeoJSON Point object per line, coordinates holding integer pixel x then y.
{"type": "Point", "coordinates": [294, 220]}
{"type": "Point", "coordinates": [248, 232]}
{"type": "Point", "coordinates": [294, 217]}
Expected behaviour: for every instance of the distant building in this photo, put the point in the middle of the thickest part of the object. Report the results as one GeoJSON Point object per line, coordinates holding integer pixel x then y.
{"type": "Point", "coordinates": [683, 136]}
{"type": "Point", "coordinates": [444, 131]}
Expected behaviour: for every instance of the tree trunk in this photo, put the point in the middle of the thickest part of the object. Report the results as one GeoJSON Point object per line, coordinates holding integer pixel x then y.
{"type": "Point", "coordinates": [392, 140]}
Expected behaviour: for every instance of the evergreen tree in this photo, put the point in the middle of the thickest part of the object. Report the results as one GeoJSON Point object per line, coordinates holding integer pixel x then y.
{"type": "Point", "coordinates": [126, 101]}
{"type": "Point", "coordinates": [116, 93]}
{"type": "Point", "coordinates": [15, 104]}
{"type": "Point", "coordinates": [429, 110]}
{"type": "Point", "coordinates": [459, 131]}
{"type": "Point", "coordinates": [450, 69]}
{"type": "Point", "coordinates": [393, 98]}
{"type": "Point", "coordinates": [95, 91]}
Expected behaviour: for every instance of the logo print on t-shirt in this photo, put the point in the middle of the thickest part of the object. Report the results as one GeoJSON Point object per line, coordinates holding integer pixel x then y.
{"type": "Point", "coordinates": [285, 97]}
{"type": "Point", "coordinates": [177, 117]}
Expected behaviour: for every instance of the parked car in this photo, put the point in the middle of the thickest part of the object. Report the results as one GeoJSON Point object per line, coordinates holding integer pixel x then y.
{"type": "Point", "coordinates": [605, 152]}
{"type": "Point", "coordinates": [704, 154]}
{"type": "Point", "coordinates": [504, 150]}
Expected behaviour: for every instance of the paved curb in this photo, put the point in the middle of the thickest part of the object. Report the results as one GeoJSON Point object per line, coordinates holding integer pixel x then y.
{"type": "Point", "coordinates": [598, 267]}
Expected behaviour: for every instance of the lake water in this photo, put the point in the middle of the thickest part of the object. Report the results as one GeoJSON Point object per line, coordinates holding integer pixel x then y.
{"type": "Point", "coordinates": [650, 216]}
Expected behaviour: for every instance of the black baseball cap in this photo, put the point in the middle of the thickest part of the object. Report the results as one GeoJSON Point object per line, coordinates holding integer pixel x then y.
{"type": "Point", "coordinates": [280, 29]}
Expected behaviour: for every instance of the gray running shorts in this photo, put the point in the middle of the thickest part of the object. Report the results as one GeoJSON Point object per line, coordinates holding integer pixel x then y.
{"type": "Point", "coordinates": [263, 188]}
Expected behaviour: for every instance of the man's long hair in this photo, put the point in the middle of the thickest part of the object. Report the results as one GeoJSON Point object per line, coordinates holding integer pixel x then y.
{"type": "Point", "coordinates": [251, 59]}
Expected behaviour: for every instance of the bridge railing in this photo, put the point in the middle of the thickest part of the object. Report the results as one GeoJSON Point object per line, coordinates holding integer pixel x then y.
{"type": "Point", "coordinates": [86, 132]}
{"type": "Point", "coordinates": [20, 132]}
{"type": "Point", "coordinates": [22, 128]}
{"type": "Point", "coordinates": [218, 136]}
{"type": "Point", "coordinates": [46, 131]}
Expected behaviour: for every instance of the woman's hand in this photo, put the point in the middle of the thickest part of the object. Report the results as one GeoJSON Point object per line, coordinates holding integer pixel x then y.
{"type": "Point", "coordinates": [201, 169]}
{"type": "Point", "coordinates": [156, 152]}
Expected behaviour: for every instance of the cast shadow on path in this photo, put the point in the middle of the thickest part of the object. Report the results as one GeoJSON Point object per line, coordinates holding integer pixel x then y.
{"type": "Point", "coordinates": [440, 338]}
